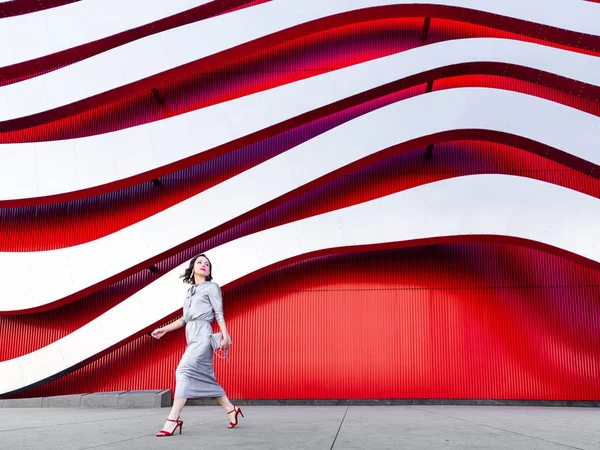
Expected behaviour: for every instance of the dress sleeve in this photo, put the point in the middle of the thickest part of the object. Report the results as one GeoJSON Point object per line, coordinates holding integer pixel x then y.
{"type": "Point", "coordinates": [216, 300]}
{"type": "Point", "coordinates": [182, 318]}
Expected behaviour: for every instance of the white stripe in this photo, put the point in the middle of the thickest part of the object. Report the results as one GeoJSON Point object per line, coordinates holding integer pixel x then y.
{"type": "Point", "coordinates": [47, 168]}
{"type": "Point", "coordinates": [474, 205]}
{"type": "Point", "coordinates": [78, 267]}
{"type": "Point", "coordinates": [172, 48]}
{"type": "Point", "coordinates": [31, 36]}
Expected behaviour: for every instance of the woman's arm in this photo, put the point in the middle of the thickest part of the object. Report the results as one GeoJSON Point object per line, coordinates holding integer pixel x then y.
{"type": "Point", "coordinates": [226, 338]}
{"type": "Point", "coordinates": [216, 300]}
{"type": "Point", "coordinates": [160, 332]}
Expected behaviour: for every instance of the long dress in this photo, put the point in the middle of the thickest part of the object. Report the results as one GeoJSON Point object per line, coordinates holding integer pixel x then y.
{"type": "Point", "coordinates": [195, 377]}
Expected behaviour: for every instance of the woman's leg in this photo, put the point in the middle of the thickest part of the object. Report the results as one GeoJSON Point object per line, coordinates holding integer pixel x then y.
{"type": "Point", "coordinates": [178, 405]}
{"type": "Point", "coordinates": [228, 407]}
{"type": "Point", "coordinates": [225, 403]}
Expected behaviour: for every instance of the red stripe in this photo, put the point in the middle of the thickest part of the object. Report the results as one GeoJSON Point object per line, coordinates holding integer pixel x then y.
{"type": "Point", "coordinates": [39, 66]}
{"type": "Point", "coordinates": [19, 7]}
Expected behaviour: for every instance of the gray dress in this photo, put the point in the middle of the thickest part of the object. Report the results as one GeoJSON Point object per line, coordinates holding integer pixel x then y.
{"type": "Point", "coordinates": [195, 376]}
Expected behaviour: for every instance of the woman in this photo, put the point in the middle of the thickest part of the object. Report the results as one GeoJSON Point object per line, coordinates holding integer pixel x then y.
{"type": "Point", "coordinates": [195, 376]}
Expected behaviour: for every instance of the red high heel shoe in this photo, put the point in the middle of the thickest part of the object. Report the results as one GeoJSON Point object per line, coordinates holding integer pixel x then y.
{"type": "Point", "coordinates": [237, 411]}
{"type": "Point", "coordinates": [167, 433]}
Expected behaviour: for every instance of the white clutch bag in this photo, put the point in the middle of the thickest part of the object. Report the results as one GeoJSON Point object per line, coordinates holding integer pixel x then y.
{"type": "Point", "coordinates": [215, 341]}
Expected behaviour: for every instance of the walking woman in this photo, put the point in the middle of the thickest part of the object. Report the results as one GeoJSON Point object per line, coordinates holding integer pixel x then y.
{"type": "Point", "coordinates": [195, 376]}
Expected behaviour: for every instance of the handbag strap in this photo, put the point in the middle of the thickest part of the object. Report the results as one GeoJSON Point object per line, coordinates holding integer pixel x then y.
{"type": "Point", "coordinates": [225, 353]}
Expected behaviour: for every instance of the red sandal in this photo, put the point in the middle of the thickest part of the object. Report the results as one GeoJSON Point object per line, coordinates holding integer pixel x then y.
{"type": "Point", "coordinates": [237, 411]}
{"type": "Point", "coordinates": [167, 433]}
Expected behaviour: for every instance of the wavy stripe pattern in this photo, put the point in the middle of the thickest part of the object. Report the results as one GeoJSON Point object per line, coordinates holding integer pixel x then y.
{"type": "Point", "coordinates": [395, 173]}
{"type": "Point", "coordinates": [422, 117]}
{"type": "Point", "coordinates": [103, 159]}
{"type": "Point", "coordinates": [85, 22]}
{"type": "Point", "coordinates": [21, 71]}
{"type": "Point", "coordinates": [154, 54]}
{"type": "Point", "coordinates": [482, 205]}
{"type": "Point", "coordinates": [281, 159]}
{"type": "Point", "coordinates": [23, 92]}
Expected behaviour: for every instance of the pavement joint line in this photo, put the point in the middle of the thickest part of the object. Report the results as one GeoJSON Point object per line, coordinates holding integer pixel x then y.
{"type": "Point", "coordinates": [503, 429]}
{"type": "Point", "coordinates": [340, 427]}
{"type": "Point", "coordinates": [76, 423]}
{"type": "Point", "coordinates": [139, 437]}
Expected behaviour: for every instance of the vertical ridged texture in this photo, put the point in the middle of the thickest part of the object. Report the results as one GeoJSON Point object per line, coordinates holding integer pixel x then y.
{"type": "Point", "coordinates": [472, 320]}
{"type": "Point", "coordinates": [469, 320]}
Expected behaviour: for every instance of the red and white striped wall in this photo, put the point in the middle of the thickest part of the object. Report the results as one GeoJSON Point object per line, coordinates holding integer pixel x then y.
{"type": "Point", "coordinates": [400, 200]}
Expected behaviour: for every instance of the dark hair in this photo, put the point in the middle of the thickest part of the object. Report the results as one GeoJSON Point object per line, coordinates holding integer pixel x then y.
{"type": "Point", "coordinates": [188, 275]}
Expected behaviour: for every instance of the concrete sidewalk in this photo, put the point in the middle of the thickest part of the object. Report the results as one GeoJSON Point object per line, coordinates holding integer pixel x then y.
{"type": "Point", "coordinates": [306, 427]}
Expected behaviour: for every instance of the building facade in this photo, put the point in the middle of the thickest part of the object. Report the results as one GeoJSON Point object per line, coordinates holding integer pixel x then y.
{"type": "Point", "coordinates": [399, 200]}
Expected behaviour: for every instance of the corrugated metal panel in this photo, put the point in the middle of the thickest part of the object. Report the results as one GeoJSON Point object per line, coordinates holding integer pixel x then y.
{"type": "Point", "coordinates": [461, 320]}
{"type": "Point", "coordinates": [465, 320]}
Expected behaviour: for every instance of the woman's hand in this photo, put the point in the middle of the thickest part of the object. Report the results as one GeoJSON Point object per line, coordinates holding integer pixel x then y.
{"type": "Point", "coordinates": [158, 333]}
{"type": "Point", "coordinates": [224, 343]}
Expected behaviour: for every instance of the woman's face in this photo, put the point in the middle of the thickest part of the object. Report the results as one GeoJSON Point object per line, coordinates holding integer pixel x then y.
{"type": "Point", "coordinates": [202, 266]}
